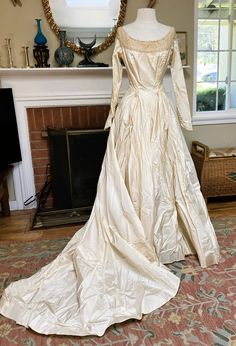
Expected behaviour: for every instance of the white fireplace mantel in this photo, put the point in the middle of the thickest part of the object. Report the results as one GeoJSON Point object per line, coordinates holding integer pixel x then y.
{"type": "Point", "coordinates": [52, 87]}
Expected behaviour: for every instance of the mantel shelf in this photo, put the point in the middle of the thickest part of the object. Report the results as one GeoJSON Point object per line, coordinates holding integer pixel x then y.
{"type": "Point", "coordinates": [15, 71]}
{"type": "Point", "coordinates": [53, 71]}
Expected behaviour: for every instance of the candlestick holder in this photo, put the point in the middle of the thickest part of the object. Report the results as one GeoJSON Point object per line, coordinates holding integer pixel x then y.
{"type": "Point", "coordinates": [1, 66]}
{"type": "Point", "coordinates": [8, 44]}
{"type": "Point", "coordinates": [26, 52]}
{"type": "Point", "coordinates": [88, 51]}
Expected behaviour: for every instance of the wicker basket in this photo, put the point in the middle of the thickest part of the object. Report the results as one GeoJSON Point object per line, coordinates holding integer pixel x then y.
{"type": "Point", "coordinates": [217, 174]}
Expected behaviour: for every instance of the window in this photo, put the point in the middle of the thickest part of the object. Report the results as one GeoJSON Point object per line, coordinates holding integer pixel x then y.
{"type": "Point", "coordinates": [216, 58]}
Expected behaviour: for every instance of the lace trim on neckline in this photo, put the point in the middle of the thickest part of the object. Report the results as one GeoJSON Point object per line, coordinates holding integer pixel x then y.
{"type": "Point", "coordinates": [145, 46]}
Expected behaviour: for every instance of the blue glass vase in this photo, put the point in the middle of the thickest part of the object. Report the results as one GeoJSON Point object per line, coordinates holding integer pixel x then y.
{"type": "Point", "coordinates": [40, 39]}
{"type": "Point", "coordinates": [64, 55]}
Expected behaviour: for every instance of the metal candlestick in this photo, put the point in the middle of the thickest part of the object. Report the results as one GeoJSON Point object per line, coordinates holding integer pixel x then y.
{"type": "Point", "coordinates": [88, 51]}
{"type": "Point", "coordinates": [8, 44]}
{"type": "Point", "coordinates": [26, 51]}
{"type": "Point", "coordinates": [1, 62]}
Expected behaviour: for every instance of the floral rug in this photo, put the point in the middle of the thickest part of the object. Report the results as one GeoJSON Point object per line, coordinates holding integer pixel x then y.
{"type": "Point", "coordinates": [202, 313]}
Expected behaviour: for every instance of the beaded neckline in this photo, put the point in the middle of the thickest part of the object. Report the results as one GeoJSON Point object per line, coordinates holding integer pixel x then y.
{"type": "Point", "coordinates": [148, 41]}
{"type": "Point", "coordinates": [148, 46]}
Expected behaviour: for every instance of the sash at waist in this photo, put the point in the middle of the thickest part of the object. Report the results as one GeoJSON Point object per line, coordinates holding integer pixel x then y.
{"type": "Point", "coordinates": [144, 89]}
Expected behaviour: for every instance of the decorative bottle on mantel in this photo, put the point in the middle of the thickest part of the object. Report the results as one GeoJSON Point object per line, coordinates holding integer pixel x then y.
{"type": "Point", "coordinates": [41, 51]}
{"type": "Point", "coordinates": [39, 39]}
{"type": "Point", "coordinates": [64, 55]}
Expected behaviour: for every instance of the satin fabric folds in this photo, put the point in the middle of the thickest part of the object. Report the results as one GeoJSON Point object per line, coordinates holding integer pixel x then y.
{"type": "Point", "coordinates": [148, 211]}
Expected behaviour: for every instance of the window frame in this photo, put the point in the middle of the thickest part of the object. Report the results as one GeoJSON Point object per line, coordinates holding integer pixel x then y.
{"type": "Point", "coordinates": [207, 117]}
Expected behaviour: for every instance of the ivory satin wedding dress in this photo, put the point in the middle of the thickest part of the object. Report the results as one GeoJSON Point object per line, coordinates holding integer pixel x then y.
{"type": "Point", "coordinates": [148, 210]}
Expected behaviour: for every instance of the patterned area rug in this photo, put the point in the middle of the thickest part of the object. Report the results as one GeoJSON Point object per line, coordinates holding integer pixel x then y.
{"type": "Point", "coordinates": [202, 313]}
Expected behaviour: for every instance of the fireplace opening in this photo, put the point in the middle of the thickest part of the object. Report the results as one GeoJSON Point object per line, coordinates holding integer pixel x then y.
{"type": "Point", "coordinates": [75, 163]}
{"type": "Point", "coordinates": [76, 159]}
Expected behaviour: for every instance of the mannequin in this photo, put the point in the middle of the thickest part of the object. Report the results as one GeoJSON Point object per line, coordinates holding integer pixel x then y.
{"type": "Point", "coordinates": [146, 26]}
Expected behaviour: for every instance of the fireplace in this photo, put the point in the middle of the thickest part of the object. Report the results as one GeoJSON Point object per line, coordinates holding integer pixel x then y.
{"type": "Point", "coordinates": [56, 142]}
{"type": "Point", "coordinates": [77, 118]}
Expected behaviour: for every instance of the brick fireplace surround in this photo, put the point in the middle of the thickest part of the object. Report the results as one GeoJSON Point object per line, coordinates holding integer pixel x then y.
{"type": "Point", "coordinates": [39, 119]}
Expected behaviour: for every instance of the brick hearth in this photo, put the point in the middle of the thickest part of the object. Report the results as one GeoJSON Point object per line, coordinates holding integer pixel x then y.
{"type": "Point", "coordinates": [39, 119]}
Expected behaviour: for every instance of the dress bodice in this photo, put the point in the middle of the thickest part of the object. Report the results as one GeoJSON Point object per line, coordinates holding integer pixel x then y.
{"type": "Point", "coordinates": [146, 61]}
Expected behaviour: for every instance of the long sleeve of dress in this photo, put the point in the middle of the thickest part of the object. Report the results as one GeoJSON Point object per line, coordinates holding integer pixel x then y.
{"type": "Point", "coordinates": [182, 102]}
{"type": "Point", "coordinates": [117, 79]}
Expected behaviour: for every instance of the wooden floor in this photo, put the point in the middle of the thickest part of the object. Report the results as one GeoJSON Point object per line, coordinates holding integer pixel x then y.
{"type": "Point", "coordinates": [18, 226]}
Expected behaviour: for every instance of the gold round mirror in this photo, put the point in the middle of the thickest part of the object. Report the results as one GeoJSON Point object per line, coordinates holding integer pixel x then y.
{"type": "Point", "coordinates": [54, 23]}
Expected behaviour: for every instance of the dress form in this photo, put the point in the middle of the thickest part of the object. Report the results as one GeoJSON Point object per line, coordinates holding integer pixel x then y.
{"type": "Point", "coordinates": [146, 26]}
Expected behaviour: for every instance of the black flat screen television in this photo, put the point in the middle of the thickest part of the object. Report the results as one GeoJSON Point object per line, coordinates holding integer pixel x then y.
{"type": "Point", "coordinates": [9, 140]}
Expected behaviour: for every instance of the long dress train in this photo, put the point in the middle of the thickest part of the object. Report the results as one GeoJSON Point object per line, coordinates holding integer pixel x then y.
{"type": "Point", "coordinates": [148, 210]}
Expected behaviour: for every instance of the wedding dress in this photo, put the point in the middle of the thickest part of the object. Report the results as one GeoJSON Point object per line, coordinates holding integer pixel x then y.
{"type": "Point", "coordinates": [148, 210]}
